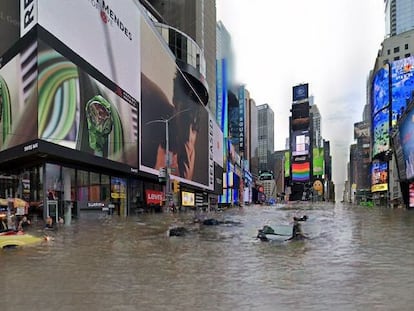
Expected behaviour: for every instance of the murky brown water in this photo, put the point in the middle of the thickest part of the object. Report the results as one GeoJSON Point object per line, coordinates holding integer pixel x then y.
{"type": "Point", "coordinates": [357, 259]}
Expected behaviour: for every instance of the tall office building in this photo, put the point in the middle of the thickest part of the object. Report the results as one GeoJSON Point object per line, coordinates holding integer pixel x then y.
{"type": "Point", "coordinates": [399, 16]}
{"type": "Point", "coordinates": [196, 18]}
{"type": "Point", "coordinates": [316, 122]}
{"type": "Point", "coordinates": [266, 136]}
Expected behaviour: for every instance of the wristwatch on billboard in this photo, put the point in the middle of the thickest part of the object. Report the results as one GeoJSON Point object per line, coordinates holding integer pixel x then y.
{"type": "Point", "coordinates": [100, 122]}
{"type": "Point", "coordinates": [5, 108]}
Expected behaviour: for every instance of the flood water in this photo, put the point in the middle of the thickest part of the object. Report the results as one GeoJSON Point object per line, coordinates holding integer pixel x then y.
{"type": "Point", "coordinates": [358, 258]}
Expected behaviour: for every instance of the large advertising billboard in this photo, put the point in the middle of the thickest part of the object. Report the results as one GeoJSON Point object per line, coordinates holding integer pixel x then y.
{"type": "Point", "coordinates": [399, 154]}
{"type": "Point", "coordinates": [218, 140]}
{"type": "Point", "coordinates": [379, 176]}
{"type": "Point", "coordinates": [402, 83]}
{"type": "Point", "coordinates": [380, 90]}
{"type": "Point", "coordinates": [300, 92]}
{"type": "Point", "coordinates": [242, 117]}
{"type": "Point", "coordinates": [301, 172]}
{"type": "Point", "coordinates": [381, 133]}
{"type": "Point", "coordinates": [18, 99]}
{"type": "Point", "coordinates": [361, 130]}
{"type": "Point", "coordinates": [9, 24]}
{"type": "Point", "coordinates": [106, 34]}
{"type": "Point", "coordinates": [171, 112]}
{"type": "Point", "coordinates": [318, 162]}
{"type": "Point", "coordinates": [77, 111]}
{"type": "Point", "coordinates": [300, 143]}
{"type": "Point", "coordinates": [287, 163]}
{"type": "Point", "coordinates": [407, 143]}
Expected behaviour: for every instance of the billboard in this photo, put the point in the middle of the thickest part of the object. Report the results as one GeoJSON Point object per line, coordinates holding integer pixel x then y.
{"type": "Point", "coordinates": [399, 154]}
{"type": "Point", "coordinates": [300, 143]}
{"type": "Point", "coordinates": [300, 92]}
{"type": "Point", "coordinates": [318, 162]}
{"type": "Point", "coordinates": [380, 90]}
{"type": "Point", "coordinates": [77, 111]}
{"type": "Point", "coordinates": [379, 176]}
{"type": "Point", "coordinates": [18, 99]}
{"type": "Point", "coordinates": [217, 144]}
{"type": "Point", "coordinates": [287, 163]}
{"type": "Point", "coordinates": [407, 142]}
{"type": "Point", "coordinates": [9, 24]}
{"type": "Point", "coordinates": [381, 136]}
{"type": "Point", "coordinates": [411, 195]}
{"type": "Point", "coordinates": [361, 130]}
{"type": "Point", "coordinates": [402, 86]}
{"type": "Point", "coordinates": [171, 112]}
{"type": "Point", "coordinates": [187, 198]}
{"type": "Point", "coordinates": [301, 172]}
{"type": "Point", "coordinates": [242, 117]}
{"type": "Point", "coordinates": [106, 34]}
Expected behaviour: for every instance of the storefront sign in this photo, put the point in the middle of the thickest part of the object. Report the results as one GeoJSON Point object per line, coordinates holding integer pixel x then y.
{"type": "Point", "coordinates": [153, 196]}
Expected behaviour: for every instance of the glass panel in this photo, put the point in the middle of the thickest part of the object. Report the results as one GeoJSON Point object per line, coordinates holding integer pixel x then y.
{"type": "Point", "coordinates": [105, 189]}
{"type": "Point", "coordinates": [94, 189]}
{"type": "Point", "coordinates": [83, 185]}
{"type": "Point", "coordinates": [53, 181]}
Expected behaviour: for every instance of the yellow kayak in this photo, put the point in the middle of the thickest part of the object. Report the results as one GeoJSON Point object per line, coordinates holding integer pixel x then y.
{"type": "Point", "coordinates": [12, 238]}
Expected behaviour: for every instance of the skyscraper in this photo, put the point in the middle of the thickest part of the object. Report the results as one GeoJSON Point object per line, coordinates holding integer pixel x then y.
{"type": "Point", "coordinates": [399, 16]}
{"type": "Point", "coordinates": [266, 136]}
{"type": "Point", "coordinates": [316, 122]}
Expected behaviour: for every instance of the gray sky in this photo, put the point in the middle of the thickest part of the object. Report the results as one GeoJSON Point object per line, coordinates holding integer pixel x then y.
{"type": "Point", "coordinates": [330, 44]}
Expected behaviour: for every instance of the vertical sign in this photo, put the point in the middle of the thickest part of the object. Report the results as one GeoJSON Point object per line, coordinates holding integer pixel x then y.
{"type": "Point", "coordinates": [241, 117]}
{"type": "Point", "coordinates": [28, 15]}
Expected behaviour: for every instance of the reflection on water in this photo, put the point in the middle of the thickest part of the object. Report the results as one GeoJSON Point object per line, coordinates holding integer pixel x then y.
{"type": "Point", "coordinates": [356, 259]}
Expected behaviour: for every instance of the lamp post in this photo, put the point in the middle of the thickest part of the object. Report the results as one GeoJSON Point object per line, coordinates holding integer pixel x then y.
{"type": "Point", "coordinates": [167, 152]}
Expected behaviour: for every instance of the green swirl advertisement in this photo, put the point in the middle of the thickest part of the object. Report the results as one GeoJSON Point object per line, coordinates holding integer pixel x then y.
{"type": "Point", "coordinates": [78, 112]}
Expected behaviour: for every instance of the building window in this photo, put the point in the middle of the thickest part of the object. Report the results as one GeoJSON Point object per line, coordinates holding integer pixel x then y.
{"type": "Point", "coordinates": [396, 58]}
{"type": "Point", "coordinates": [388, 51]}
{"type": "Point", "coordinates": [407, 55]}
{"type": "Point", "coordinates": [406, 46]}
{"type": "Point", "coordinates": [396, 49]}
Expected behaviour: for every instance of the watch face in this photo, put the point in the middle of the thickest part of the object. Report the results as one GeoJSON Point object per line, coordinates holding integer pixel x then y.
{"type": "Point", "coordinates": [99, 115]}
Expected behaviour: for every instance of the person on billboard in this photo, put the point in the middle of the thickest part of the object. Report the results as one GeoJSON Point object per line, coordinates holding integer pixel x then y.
{"type": "Point", "coordinates": [183, 117]}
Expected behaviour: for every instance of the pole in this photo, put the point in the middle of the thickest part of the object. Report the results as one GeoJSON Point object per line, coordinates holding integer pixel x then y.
{"type": "Point", "coordinates": [167, 165]}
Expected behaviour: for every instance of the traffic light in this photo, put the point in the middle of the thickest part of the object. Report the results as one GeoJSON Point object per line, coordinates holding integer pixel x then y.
{"type": "Point", "coordinates": [176, 186]}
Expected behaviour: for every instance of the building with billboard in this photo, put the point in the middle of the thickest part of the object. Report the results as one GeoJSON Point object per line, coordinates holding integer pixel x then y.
{"type": "Point", "coordinates": [84, 132]}
{"type": "Point", "coordinates": [266, 120]}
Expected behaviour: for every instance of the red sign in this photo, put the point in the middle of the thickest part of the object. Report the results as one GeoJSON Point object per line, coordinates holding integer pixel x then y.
{"type": "Point", "coordinates": [154, 196]}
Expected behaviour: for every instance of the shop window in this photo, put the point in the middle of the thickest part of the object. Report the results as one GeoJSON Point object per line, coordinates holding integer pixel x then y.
{"type": "Point", "coordinates": [95, 187]}
{"type": "Point", "coordinates": [82, 186]}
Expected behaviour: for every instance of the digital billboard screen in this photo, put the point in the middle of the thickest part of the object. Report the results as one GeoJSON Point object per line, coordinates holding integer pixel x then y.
{"type": "Point", "coordinates": [361, 130]}
{"type": "Point", "coordinates": [9, 24]}
{"type": "Point", "coordinates": [18, 99]}
{"type": "Point", "coordinates": [380, 90]}
{"type": "Point", "coordinates": [399, 154]}
{"type": "Point", "coordinates": [300, 92]}
{"type": "Point", "coordinates": [301, 172]}
{"type": "Point", "coordinates": [167, 99]}
{"type": "Point", "coordinates": [407, 142]}
{"type": "Point", "coordinates": [402, 86]}
{"type": "Point", "coordinates": [411, 194]}
{"type": "Point", "coordinates": [379, 176]}
{"type": "Point", "coordinates": [77, 111]}
{"type": "Point", "coordinates": [318, 162]}
{"type": "Point", "coordinates": [300, 143]}
{"type": "Point", "coordinates": [287, 163]}
{"type": "Point", "coordinates": [381, 136]}
{"type": "Point", "coordinates": [106, 34]}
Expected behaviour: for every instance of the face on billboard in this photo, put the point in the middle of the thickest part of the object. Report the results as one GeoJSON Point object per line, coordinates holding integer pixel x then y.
{"type": "Point", "coordinates": [380, 90]}
{"type": "Point", "coordinates": [381, 139]}
{"type": "Point", "coordinates": [402, 81]}
{"type": "Point", "coordinates": [168, 99]}
{"type": "Point", "coordinates": [18, 99]}
{"type": "Point", "coordinates": [407, 143]}
{"type": "Point", "coordinates": [78, 112]}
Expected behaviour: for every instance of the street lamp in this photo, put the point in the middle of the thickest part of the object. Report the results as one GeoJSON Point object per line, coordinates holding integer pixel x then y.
{"type": "Point", "coordinates": [167, 150]}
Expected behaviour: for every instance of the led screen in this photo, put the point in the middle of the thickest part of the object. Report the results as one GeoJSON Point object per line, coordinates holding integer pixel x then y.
{"type": "Point", "coordinates": [300, 143]}
{"type": "Point", "coordinates": [318, 161]}
{"type": "Point", "coordinates": [407, 143]}
{"type": "Point", "coordinates": [380, 90]}
{"type": "Point", "coordinates": [9, 24]}
{"type": "Point", "coordinates": [381, 136]}
{"type": "Point", "coordinates": [18, 99]}
{"type": "Point", "coordinates": [169, 100]}
{"type": "Point", "coordinates": [287, 163]}
{"type": "Point", "coordinates": [187, 198]}
{"type": "Point", "coordinates": [399, 154]}
{"type": "Point", "coordinates": [77, 111]}
{"type": "Point", "coordinates": [300, 92]}
{"type": "Point", "coordinates": [402, 79]}
{"type": "Point", "coordinates": [106, 34]}
{"type": "Point", "coordinates": [411, 194]}
{"type": "Point", "coordinates": [379, 176]}
{"type": "Point", "coordinates": [361, 130]}
{"type": "Point", "coordinates": [301, 172]}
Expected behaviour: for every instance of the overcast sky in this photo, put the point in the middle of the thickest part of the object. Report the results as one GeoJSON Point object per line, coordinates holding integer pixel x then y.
{"type": "Point", "coordinates": [330, 44]}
